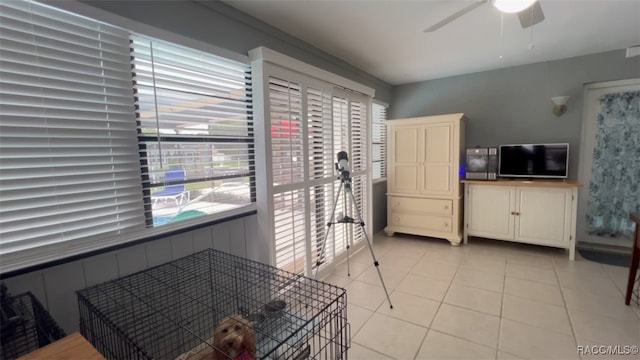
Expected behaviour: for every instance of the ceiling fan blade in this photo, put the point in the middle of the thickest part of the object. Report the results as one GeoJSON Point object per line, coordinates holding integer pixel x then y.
{"type": "Point", "coordinates": [455, 15]}
{"type": "Point", "coordinates": [531, 15]}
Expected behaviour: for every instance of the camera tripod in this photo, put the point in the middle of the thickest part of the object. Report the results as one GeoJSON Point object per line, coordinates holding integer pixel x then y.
{"type": "Point", "coordinates": [345, 184]}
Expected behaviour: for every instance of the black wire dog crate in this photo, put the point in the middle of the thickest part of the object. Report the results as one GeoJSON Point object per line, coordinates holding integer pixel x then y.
{"type": "Point", "coordinates": [167, 310]}
{"type": "Point", "coordinates": [25, 325]}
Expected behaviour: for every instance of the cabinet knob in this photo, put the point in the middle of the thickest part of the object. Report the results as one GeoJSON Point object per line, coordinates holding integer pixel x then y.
{"type": "Point", "coordinates": [445, 224]}
{"type": "Point", "coordinates": [397, 203]}
{"type": "Point", "coordinates": [446, 207]}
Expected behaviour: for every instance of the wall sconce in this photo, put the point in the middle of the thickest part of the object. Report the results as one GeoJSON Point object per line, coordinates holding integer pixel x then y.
{"type": "Point", "coordinates": [559, 102]}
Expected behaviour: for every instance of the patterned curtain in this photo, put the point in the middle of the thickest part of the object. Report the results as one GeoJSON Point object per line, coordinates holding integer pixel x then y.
{"type": "Point", "coordinates": [614, 191]}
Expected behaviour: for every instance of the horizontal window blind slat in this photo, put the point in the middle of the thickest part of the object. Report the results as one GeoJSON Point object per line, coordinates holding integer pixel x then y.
{"type": "Point", "coordinates": [66, 72]}
{"type": "Point", "coordinates": [51, 232]}
{"type": "Point", "coordinates": [38, 42]}
{"type": "Point", "coordinates": [43, 14]}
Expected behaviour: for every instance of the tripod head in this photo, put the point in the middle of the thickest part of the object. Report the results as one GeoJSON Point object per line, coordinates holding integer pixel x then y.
{"type": "Point", "coordinates": [342, 167]}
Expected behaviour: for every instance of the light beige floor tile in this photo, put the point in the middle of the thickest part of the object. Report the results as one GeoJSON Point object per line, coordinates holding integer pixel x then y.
{"type": "Point", "coordinates": [604, 329]}
{"type": "Point", "coordinates": [609, 305]}
{"type": "Point", "coordinates": [467, 324]}
{"type": "Point", "coordinates": [362, 256]}
{"type": "Point", "coordinates": [506, 356]}
{"type": "Point", "coordinates": [479, 278]}
{"type": "Point", "coordinates": [359, 352]}
{"type": "Point", "coordinates": [490, 264]}
{"type": "Point", "coordinates": [486, 247]}
{"type": "Point", "coordinates": [536, 313]}
{"type": "Point", "coordinates": [451, 255]}
{"type": "Point", "coordinates": [528, 259]}
{"type": "Point", "coordinates": [365, 295]}
{"type": "Point", "coordinates": [391, 277]}
{"type": "Point", "coordinates": [354, 268]}
{"type": "Point", "coordinates": [485, 301]}
{"type": "Point", "coordinates": [533, 291]}
{"type": "Point", "coordinates": [337, 280]}
{"type": "Point", "coordinates": [383, 245]}
{"type": "Point", "coordinates": [619, 275]}
{"type": "Point", "coordinates": [582, 266]}
{"type": "Point", "coordinates": [435, 269]}
{"type": "Point", "coordinates": [588, 283]}
{"type": "Point", "coordinates": [357, 316]}
{"type": "Point", "coordinates": [411, 308]}
{"type": "Point", "coordinates": [400, 263]}
{"type": "Point", "coordinates": [438, 345]}
{"type": "Point", "coordinates": [621, 272]}
{"type": "Point", "coordinates": [392, 337]}
{"type": "Point", "coordinates": [423, 286]}
{"type": "Point", "coordinates": [592, 350]}
{"type": "Point", "coordinates": [532, 342]}
{"type": "Point", "coordinates": [412, 251]}
{"type": "Point", "coordinates": [526, 272]}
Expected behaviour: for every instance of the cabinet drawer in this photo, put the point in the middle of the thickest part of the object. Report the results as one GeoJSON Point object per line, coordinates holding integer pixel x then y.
{"type": "Point", "coordinates": [425, 206]}
{"type": "Point", "coordinates": [422, 222]}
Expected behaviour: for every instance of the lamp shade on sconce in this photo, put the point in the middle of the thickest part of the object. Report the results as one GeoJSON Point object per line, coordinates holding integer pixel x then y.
{"type": "Point", "coordinates": [560, 106]}
{"type": "Point", "coordinates": [512, 6]}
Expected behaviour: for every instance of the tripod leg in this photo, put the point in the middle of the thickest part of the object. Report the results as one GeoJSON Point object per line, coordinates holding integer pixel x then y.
{"type": "Point", "coordinates": [326, 235]}
{"type": "Point", "coordinates": [373, 256]}
{"type": "Point", "coordinates": [348, 234]}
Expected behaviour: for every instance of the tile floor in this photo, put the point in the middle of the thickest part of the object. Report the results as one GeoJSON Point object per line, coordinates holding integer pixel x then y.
{"type": "Point", "coordinates": [485, 300]}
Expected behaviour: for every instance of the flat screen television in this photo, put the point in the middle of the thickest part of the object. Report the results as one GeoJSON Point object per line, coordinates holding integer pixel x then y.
{"type": "Point", "coordinates": [534, 160]}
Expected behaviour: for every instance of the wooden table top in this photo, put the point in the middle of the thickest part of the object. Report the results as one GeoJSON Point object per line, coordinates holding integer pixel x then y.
{"type": "Point", "coordinates": [71, 347]}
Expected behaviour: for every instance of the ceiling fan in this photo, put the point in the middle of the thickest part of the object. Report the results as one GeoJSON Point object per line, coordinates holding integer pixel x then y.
{"type": "Point", "coordinates": [529, 12]}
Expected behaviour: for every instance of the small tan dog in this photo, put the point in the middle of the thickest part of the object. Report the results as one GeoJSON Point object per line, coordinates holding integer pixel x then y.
{"type": "Point", "coordinates": [233, 338]}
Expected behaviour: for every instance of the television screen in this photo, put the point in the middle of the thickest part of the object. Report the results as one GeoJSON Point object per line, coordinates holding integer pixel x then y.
{"type": "Point", "coordinates": [534, 160]}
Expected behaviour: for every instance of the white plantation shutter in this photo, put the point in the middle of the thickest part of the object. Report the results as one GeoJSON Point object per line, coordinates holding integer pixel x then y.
{"type": "Point", "coordinates": [285, 99]}
{"type": "Point", "coordinates": [194, 117]}
{"type": "Point", "coordinates": [379, 142]}
{"type": "Point", "coordinates": [67, 131]}
{"type": "Point", "coordinates": [307, 121]}
{"type": "Point", "coordinates": [287, 150]}
{"type": "Point", "coordinates": [322, 157]}
{"type": "Point", "coordinates": [340, 143]}
{"type": "Point", "coordinates": [290, 234]}
{"type": "Point", "coordinates": [321, 168]}
{"type": "Point", "coordinates": [358, 154]}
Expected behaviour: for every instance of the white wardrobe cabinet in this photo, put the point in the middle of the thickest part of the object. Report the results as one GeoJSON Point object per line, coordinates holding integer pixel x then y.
{"type": "Point", "coordinates": [535, 212]}
{"type": "Point", "coordinates": [423, 186]}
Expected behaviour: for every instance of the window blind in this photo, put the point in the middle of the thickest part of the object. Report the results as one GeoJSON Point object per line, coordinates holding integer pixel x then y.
{"type": "Point", "coordinates": [379, 141]}
{"type": "Point", "coordinates": [195, 128]}
{"type": "Point", "coordinates": [67, 133]}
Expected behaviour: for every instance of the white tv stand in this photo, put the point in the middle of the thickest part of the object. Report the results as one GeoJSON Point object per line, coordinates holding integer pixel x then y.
{"type": "Point", "coordinates": [541, 212]}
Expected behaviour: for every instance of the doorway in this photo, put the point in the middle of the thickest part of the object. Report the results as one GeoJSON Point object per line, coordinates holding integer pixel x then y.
{"type": "Point", "coordinates": [592, 95]}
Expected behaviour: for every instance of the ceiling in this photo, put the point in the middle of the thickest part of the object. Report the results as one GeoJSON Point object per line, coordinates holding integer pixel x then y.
{"type": "Point", "coordinates": [386, 38]}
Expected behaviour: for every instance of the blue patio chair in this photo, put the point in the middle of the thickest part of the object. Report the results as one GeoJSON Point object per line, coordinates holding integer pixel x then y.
{"type": "Point", "coordinates": [177, 192]}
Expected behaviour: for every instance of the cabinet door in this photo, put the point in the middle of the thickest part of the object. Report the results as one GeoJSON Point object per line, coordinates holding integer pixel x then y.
{"type": "Point", "coordinates": [544, 216]}
{"type": "Point", "coordinates": [436, 159]}
{"type": "Point", "coordinates": [489, 211]}
{"type": "Point", "coordinates": [403, 159]}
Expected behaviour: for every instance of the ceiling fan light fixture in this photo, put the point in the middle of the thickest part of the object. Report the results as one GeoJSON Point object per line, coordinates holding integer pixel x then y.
{"type": "Point", "coordinates": [512, 6]}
